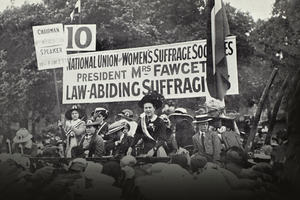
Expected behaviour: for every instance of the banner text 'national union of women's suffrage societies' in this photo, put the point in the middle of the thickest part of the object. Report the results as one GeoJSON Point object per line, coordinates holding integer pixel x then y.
{"type": "Point", "coordinates": [175, 70]}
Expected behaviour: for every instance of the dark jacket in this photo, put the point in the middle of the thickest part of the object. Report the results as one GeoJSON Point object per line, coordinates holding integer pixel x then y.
{"type": "Point", "coordinates": [212, 145]}
{"type": "Point", "coordinates": [103, 129]}
{"type": "Point", "coordinates": [124, 145]}
{"type": "Point", "coordinates": [157, 129]}
{"type": "Point", "coordinates": [96, 146]}
{"type": "Point", "coordinates": [184, 133]}
{"type": "Point", "coordinates": [121, 148]}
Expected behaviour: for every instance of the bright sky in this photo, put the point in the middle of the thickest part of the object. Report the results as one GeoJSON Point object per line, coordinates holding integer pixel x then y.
{"type": "Point", "coordinates": [257, 8]}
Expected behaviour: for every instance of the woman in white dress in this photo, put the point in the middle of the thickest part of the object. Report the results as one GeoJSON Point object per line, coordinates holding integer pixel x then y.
{"type": "Point", "coordinates": [74, 128]}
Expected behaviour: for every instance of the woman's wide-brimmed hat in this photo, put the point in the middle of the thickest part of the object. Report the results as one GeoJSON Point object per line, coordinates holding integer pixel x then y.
{"type": "Point", "coordinates": [182, 113]}
{"type": "Point", "coordinates": [152, 97]}
{"type": "Point", "coordinates": [126, 114]}
{"type": "Point", "coordinates": [22, 136]}
{"type": "Point", "coordinates": [92, 123]}
{"type": "Point", "coordinates": [99, 110]}
{"type": "Point", "coordinates": [118, 125]}
{"type": "Point", "coordinates": [74, 107]}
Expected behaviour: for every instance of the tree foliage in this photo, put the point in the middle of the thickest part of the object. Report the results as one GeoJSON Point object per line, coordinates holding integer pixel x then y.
{"type": "Point", "coordinates": [276, 42]}
{"type": "Point", "coordinates": [26, 94]}
{"type": "Point", "coordinates": [278, 36]}
{"type": "Point", "coordinates": [120, 24]}
{"type": "Point", "coordinates": [241, 24]}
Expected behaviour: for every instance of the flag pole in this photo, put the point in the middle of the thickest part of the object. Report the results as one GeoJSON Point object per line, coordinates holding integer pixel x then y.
{"type": "Point", "coordinates": [217, 78]}
{"type": "Point", "coordinates": [211, 99]}
{"type": "Point", "coordinates": [56, 92]}
{"type": "Point", "coordinates": [79, 13]}
{"type": "Point", "coordinates": [79, 16]}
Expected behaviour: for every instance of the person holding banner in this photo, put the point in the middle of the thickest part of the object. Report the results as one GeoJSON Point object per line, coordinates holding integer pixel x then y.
{"type": "Point", "coordinates": [74, 128]}
{"type": "Point", "coordinates": [151, 129]}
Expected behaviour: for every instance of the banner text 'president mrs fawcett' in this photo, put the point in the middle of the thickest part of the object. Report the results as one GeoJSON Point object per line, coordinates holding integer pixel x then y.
{"type": "Point", "coordinates": [175, 70]}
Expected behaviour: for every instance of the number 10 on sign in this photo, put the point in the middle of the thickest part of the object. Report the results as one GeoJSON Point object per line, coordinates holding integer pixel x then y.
{"type": "Point", "coordinates": [80, 37]}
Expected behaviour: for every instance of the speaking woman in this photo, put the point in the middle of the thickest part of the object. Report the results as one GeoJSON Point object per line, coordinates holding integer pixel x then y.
{"type": "Point", "coordinates": [151, 129]}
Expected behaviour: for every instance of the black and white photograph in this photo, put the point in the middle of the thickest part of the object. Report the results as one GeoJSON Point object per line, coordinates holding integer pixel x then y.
{"type": "Point", "coordinates": [149, 99]}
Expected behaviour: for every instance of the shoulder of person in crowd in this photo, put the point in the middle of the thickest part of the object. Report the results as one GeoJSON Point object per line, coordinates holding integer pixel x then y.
{"type": "Point", "coordinates": [98, 138]}
{"type": "Point", "coordinates": [212, 132]}
{"type": "Point", "coordinates": [160, 121]}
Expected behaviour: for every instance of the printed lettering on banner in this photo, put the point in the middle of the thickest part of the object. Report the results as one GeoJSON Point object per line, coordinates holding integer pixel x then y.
{"type": "Point", "coordinates": [175, 70]}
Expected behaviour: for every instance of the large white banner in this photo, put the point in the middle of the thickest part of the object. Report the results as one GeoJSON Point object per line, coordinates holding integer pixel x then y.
{"type": "Point", "coordinates": [50, 46]}
{"type": "Point", "coordinates": [175, 70]}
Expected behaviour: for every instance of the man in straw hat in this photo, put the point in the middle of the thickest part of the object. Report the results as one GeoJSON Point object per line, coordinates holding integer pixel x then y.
{"type": "Point", "coordinates": [206, 143]}
{"type": "Point", "coordinates": [151, 128]}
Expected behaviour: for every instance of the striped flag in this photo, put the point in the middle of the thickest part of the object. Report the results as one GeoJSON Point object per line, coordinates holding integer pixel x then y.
{"type": "Point", "coordinates": [76, 10]}
{"type": "Point", "coordinates": [217, 71]}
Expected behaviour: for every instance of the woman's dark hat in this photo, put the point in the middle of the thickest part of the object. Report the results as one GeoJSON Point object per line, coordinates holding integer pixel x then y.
{"type": "Point", "coordinates": [74, 107]}
{"type": "Point", "coordinates": [104, 112]}
{"type": "Point", "coordinates": [153, 97]}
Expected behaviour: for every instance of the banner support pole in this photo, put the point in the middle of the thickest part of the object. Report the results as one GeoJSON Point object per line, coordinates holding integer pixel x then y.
{"type": "Point", "coordinates": [56, 92]}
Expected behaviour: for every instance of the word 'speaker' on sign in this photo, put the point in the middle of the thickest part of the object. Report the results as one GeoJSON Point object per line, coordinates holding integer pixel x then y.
{"type": "Point", "coordinates": [50, 46]}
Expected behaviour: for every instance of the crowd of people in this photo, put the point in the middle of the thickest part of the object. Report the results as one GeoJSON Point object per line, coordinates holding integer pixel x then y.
{"type": "Point", "coordinates": [204, 156]}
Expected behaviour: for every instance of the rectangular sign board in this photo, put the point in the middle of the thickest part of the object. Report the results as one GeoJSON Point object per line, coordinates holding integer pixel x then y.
{"type": "Point", "coordinates": [80, 37]}
{"type": "Point", "coordinates": [50, 46]}
{"type": "Point", "coordinates": [175, 70]}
